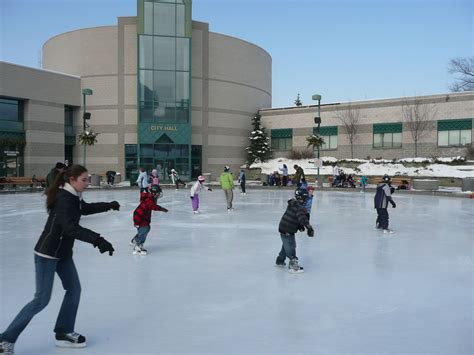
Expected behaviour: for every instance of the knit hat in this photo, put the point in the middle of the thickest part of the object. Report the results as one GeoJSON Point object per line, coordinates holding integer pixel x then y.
{"type": "Point", "coordinates": [226, 168]}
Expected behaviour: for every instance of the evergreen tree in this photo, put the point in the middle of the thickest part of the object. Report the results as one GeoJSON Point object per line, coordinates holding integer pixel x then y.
{"type": "Point", "coordinates": [259, 148]}
{"type": "Point", "coordinates": [298, 101]}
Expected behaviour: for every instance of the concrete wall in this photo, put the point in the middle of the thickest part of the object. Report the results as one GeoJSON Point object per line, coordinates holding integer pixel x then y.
{"type": "Point", "coordinates": [45, 94]}
{"type": "Point", "coordinates": [231, 82]}
{"type": "Point", "coordinates": [450, 106]}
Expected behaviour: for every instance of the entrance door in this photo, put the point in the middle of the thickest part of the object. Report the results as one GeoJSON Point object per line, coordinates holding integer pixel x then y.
{"type": "Point", "coordinates": [164, 167]}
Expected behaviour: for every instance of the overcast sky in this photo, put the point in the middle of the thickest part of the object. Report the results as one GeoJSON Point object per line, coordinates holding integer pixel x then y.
{"type": "Point", "coordinates": [344, 50]}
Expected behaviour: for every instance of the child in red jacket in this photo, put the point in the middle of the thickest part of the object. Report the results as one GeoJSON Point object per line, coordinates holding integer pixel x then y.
{"type": "Point", "coordinates": [142, 218]}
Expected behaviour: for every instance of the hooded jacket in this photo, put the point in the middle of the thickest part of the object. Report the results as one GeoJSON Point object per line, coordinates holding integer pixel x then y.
{"type": "Point", "coordinates": [382, 196]}
{"type": "Point", "coordinates": [62, 227]}
{"type": "Point", "coordinates": [294, 218]}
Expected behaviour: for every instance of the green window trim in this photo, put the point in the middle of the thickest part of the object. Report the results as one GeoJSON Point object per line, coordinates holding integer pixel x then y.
{"type": "Point", "coordinates": [282, 133]}
{"type": "Point", "coordinates": [458, 124]}
{"type": "Point", "coordinates": [326, 131]}
{"type": "Point", "coordinates": [387, 128]}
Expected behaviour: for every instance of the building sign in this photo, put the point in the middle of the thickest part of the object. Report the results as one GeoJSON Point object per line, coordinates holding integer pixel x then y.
{"type": "Point", "coordinates": [11, 153]}
{"type": "Point", "coordinates": [168, 128]}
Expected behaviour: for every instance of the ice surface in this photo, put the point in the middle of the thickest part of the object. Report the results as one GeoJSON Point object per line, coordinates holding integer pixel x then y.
{"type": "Point", "coordinates": [209, 284]}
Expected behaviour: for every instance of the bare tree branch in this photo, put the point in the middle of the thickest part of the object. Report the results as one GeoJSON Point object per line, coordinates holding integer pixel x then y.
{"type": "Point", "coordinates": [418, 117]}
{"type": "Point", "coordinates": [350, 119]}
{"type": "Point", "coordinates": [464, 69]}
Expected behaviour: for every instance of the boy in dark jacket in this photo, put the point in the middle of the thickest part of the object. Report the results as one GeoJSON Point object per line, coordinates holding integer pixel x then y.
{"type": "Point", "coordinates": [293, 219]}
{"type": "Point", "coordinates": [383, 196]}
{"type": "Point", "coordinates": [142, 218]}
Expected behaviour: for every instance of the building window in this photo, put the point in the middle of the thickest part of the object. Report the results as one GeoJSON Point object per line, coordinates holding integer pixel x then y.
{"type": "Point", "coordinates": [282, 139]}
{"type": "Point", "coordinates": [131, 161]}
{"type": "Point", "coordinates": [387, 135]}
{"type": "Point", "coordinates": [454, 133]}
{"type": "Point", "coordinates": [329, 134]}
{"type": "Point", "coordinates": [11, 115]}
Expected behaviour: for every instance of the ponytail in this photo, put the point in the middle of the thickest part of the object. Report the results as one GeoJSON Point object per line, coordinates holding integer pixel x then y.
{"type": "Point", "coordinates": [64, 176]}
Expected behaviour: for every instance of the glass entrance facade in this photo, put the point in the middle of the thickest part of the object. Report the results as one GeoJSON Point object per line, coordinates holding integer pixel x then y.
{"type": "Point", "coordinates": [164, 86]}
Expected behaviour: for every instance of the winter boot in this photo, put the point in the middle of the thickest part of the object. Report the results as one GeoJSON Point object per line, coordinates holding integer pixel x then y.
{"type": "Point", "coordinates": [70, 340]}
{"type": "Point", "coordinates": [294, 268]}
{"type": "Point", "coordinates": [7, 348]}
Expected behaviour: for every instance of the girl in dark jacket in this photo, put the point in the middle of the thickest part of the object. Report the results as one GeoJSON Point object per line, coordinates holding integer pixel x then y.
{"type": "Point", "coordinates": [53, 254]}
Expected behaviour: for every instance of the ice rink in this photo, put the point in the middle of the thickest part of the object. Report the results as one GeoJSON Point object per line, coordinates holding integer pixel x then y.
{"type": "Point", "coordinates": [209, 284]}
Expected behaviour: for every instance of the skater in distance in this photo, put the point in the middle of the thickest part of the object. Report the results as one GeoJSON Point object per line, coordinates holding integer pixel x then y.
{"type": "Point", "coordinates": [383, 196]}
{"type": "Point", "coordinates": [53, 254]}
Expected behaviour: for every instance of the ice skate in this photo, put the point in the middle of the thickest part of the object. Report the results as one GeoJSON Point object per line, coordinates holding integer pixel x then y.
{"type": "Point", "coordinates": [7, 348]}
{"type": "Point", "coordinates": [196, 212]}
{"type": "Point", "coordinates": [138, 250]}
{"type": "Point", "coordinates": [70, 340]}
{"type": "Point", "coordinates": [294, 268]}
{"type": "Point", "coordinates": [388, 231]}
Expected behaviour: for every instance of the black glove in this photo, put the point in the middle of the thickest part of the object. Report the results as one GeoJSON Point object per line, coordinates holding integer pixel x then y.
{"type": "Point", "coordinates": [392, 190]}
{"type": "Point", "coordinates": [301, 228]}
{"type": "Point", "coordinates": [164, 210]}
{"type": "Point", "coordinates": [310, 231]}
{"type": "Point", "coordinates": [209, 189]}
{"type": "Point", "coordinates": [394, 205]}
{"type": "Point", "coordinates": [191, 197]}
{"type": "Point", "coordinates": [103, 246]}
{"type": "Point", "coordinates": [114, 205]}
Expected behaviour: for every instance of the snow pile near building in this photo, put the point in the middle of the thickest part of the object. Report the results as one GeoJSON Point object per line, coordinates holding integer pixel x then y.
{"type": "Point", "coordinates": [426, 167]}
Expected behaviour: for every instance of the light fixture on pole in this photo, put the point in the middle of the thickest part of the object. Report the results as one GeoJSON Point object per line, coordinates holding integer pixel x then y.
{"type": "Point", "coordinates": [317, 120]}
{"type": "Point", "coordinates": [85, 116]}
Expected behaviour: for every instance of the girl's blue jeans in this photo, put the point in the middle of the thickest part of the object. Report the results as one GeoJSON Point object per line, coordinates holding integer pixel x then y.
{"type": "Point", "coordinates": [45, 270]}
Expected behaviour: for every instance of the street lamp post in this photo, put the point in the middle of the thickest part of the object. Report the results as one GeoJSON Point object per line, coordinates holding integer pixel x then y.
{"type": "Point", "coordinates": [317, 120]}
{"type": "Point", "coordinates": [85, 116]}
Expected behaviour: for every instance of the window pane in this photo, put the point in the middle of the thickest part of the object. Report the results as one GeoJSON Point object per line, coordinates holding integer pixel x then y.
{"type": "Point", "coordinates": [146, 112]}
{"type": "Point", "coordinates": [164, 86]}
{"type": "Point", "coordinates": [387, 139]}
{"type": "Point", "coordinates": [164, 53]}
{"type": "Point", "coordinates": [146, 150]}
{"type": "Point", "coordinates": [180, 20]}
{"type": "Point", "coordinates": [130, 150]}
{"type": "Point", "coordinates": [333, 142]}
{"type": "Point", "coordinates": [164, 15]}
{"type": "Point", "coordinates": [288, 143]}
{"type": "Point", "coordinates": [397, 139]}
{"type": "Point", "coordinates": [182, 88]}
{"type": "Point", "coordinates": [466, 137]}
{"type": "Point", "coordinates": [182, 54]}
{"type": "Point", "coordinates": [454, 137]}
{"type": "Point", "coordinates": [146, 85]}
{"type": "Point", "coordinates": [148, 18]}
{"type": "Point", "coordinates": [443, 138]}
{"type": "Point", "coordinates": [377, 140]}
{"type": "Point", "coordinates": [164, 111]}
{"type": "Point", "coordinates": [146, 52]}
{"type": "Point", "coordinates": [9, 110]}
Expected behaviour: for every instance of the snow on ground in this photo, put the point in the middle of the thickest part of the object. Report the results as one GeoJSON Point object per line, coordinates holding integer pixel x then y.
{"type": "Point", "coordinates": [373, 168]}
{"type": "Point", "coordinates": [208, 285]}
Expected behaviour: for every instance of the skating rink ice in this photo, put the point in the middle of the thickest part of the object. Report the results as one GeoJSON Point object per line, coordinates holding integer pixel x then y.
{"type": "Point", "coordinates": [209, 284]}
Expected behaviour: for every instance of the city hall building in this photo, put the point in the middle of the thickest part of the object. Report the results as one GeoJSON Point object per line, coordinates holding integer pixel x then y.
{"type": "Point", "coordinates": [162, 90]}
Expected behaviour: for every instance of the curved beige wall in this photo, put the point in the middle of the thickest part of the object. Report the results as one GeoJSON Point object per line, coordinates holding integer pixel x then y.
{"type": "Point", "coordinates": [231, 81]}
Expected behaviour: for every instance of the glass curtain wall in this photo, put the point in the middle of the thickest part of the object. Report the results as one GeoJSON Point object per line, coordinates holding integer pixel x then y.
{"type": "Point", "coordinates": [164, 86]}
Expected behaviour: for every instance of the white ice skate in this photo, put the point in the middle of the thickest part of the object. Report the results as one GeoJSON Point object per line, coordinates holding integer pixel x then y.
{"type": "Point", "coordinates": [388, 231]}
{"type": "Point", "coordinates": [294, 268]}
{"type": "Point", "coordinates": [70, 340]}
{"type": "Point", "coordinates": [138, 250]}
{"type": "Point", "coordinates": [196, 212]}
